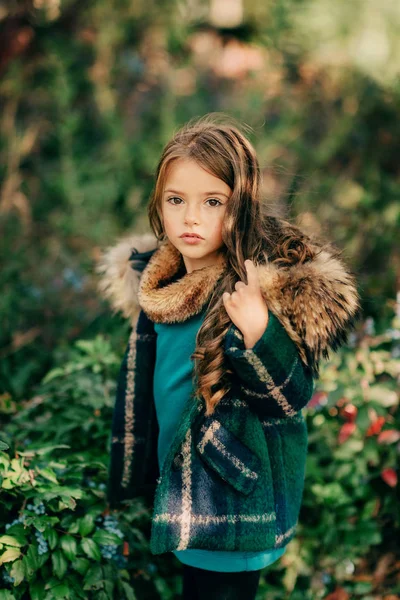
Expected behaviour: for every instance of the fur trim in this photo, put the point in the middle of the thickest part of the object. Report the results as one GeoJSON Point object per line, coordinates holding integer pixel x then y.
{"type": "Point", "coordinates": [317, 302]}
{"type": "Point", "coordinates": [120, 273]}
{"type": "Point", "coordinates": [182, 298]}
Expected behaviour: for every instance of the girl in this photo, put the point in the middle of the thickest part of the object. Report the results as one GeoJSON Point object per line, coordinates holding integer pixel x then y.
{"type": "Point", "coordinates": [219, 446]}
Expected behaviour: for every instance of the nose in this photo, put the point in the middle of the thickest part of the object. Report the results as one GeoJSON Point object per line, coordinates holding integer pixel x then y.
{"type": "Point", "coordinates": [191, 217]}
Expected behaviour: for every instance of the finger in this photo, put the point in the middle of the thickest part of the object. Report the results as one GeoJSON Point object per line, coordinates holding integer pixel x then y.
{"type": "Point", "coordinates": [239, 284]}
{"type": "Point", "coordinates": [252, 274]}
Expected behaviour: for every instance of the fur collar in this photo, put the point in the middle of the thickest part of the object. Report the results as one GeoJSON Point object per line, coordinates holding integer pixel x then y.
{"type": "Point", "coordinates": [317, 302]}
{"type": "Point", "coordinates": [168, 294]}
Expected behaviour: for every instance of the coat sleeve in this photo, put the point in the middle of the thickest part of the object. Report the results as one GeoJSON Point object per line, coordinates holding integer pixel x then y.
{"type": "Point", "coordinates": [272, 378]}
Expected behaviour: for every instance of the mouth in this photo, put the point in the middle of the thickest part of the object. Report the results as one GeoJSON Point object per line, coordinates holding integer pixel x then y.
{"type": "Point", "coordinates": [191, 236]}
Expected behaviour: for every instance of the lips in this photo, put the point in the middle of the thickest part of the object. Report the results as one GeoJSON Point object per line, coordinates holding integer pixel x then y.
{"type": "Point", "coordinates": [192, 235]}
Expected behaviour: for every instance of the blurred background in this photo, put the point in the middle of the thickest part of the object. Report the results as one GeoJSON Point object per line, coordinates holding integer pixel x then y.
{"type": "Point", "coordinates": [90, 92]}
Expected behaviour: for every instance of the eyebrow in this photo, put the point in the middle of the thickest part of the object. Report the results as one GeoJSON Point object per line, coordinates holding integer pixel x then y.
{"type": "Point", "coordinates": [205, 193]}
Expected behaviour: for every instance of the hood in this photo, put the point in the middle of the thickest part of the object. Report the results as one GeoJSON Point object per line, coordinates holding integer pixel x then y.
{"type": "Point", "coordinates": [316, 302]}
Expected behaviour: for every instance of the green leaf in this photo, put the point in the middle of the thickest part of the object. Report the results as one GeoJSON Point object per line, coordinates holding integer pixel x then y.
{"type": "Point", "coordinates": [60, 565]}
{"type": "Point", "coordinates": [6, 595]}
{"type": "Point", "coordinates": [106, 537]}
{"type": "Point", "coordinates": [129, 593]}
{"type": "Point", "coordinates": [32, 558]}
{"type": "Point", "coordinates": [86, 524]}
{"type": "Point", "coordinates": [66, 502]}
{"type": "Point", "coordinates": [80, 564]}
{"type": "Point", "coordinates": [69, 546]}
{"type": "Point", "coordinates": [37, 591]}
{"type": "Point", "coordinates": [18, 571]}
{"type": "Point", "coordinates": [93, 578]}
{"type": "Point", "coordinates": [74, 527]}
{"type": "Point", "coordinates": [53, 374]}
{"type": "Point", "coordinates": [91, 549]}
{"type": "Point", "coordinates": [52, 537]}
{"type": "Point", "coordinates": [4, 446]}
{"type": "Point", "coordinates": [61, 591]}
{"type": "Point", "coordinates": [9, 555]}
{"type": "Point", "coordinates": [47, 474]}
{"type": "Point", "coordinates": [28, 568]}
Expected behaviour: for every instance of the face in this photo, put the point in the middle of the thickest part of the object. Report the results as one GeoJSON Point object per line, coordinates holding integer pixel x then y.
{"type": "Point", "coordinates": [194, 201]}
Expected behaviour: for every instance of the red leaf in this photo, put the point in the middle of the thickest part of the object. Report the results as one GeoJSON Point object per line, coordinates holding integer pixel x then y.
{"type": "Point", "coordinates": [345, 431]}
{"type": "Point", "coordinates": [375, 426]}
{"type": "Point", "coordinates": [349, 412]}
{"type": "Point", "coordinates": [389, 436]}
{"type": "Point", "coordinates": [389, 476]}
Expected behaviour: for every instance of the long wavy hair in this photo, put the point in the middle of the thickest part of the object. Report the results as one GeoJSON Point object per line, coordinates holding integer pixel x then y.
{"type": "Point", "coordinates": [216, 142]}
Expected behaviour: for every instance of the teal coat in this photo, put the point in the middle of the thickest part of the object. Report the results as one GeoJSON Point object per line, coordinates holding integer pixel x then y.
{"type": "Point", "coordinates": [233, 480]}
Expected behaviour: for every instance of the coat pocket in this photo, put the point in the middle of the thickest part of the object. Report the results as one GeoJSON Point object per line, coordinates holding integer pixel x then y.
{"type": "Point", "coordinates": [223, 452]}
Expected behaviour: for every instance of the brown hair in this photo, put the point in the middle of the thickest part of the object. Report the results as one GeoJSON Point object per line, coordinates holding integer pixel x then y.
{"type": "Point", "coordinates": [216, 143]}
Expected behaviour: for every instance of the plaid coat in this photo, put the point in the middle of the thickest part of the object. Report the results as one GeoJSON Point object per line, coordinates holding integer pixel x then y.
{"type": "Point", "coordinates": [233, 480]}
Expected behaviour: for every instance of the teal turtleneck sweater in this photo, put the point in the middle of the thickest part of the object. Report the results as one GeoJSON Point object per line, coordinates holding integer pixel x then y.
{"type": "Point", "coordinates": [172, 387]}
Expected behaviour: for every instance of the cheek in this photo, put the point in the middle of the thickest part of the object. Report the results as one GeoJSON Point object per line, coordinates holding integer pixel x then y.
{"type": "Point", "coordinates": [167, 220]}
{"type": "Point", "coordinates": [217, 230]}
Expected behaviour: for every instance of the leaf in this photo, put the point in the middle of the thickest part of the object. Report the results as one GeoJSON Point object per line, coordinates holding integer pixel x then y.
{"type": "Point", "coordinates": [106, 538]}
{"type": "Point", "coordinates": [346, 430]}
{"type": "Point", "coordinates": [6, 595]}
{"type": "Point", "coordinates": [32, 558]}
{"type": "Point", "coordinates": [80, 564]}
{"type": "Point", "coordinates": [52, 537]}
{"type": "Point", "coordinates": [93, 577]}
{"type": "Point", "coordinates": [69, 546]}
{"type": "Point", "coordinates": [53, 374]}
{"type": "Point", "coordinates": [37, 591]}
{"type": "Point", "coordinates": [9, 555]}
{"type": "Point", "coordinates": [60, 565]}
{"type": "Point", "coordinates": [18, 572]}
{"type": "Point", "coordinates": [28, 569]}
{"type": "Point", "coordinates": [389, 436]}
{"type": "Point", "coordinates": [7, 484]}
{"type": "Point", "coordinates": [129, 593]}
{"type": "Point", "coordinates": [9, 540]}
{"type": "Point", "coordinates": [389, 476]}
{"type": "Point", "coordinates": [47, 474]}
{"type": "Point", "coordinates": [61, 591]}
{"type": "Point", "coordinates": [86, 524]}
{"type": "Point", "coordinates": [91, 549]}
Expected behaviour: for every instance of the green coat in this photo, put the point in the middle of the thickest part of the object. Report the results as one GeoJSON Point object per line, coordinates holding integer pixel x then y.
{"type": "Point", "coordinates": [233, 480]}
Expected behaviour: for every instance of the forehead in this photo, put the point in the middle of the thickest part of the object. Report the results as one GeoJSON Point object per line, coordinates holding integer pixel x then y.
{"type": "Point", "coordinates": [185, 174]}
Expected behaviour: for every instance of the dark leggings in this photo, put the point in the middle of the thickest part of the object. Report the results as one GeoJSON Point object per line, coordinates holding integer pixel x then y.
{"type": "Point", "coordinates": [202, 584]}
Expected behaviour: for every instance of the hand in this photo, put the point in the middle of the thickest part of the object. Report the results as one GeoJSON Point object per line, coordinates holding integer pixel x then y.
{"type": "Point", "coordinates": [246, 306]}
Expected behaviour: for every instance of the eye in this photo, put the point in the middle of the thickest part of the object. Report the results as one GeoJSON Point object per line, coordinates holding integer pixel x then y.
{"type": "Point", "coordinates": [215, 200]}
{"type": "Point", "coordinates": [173, 198]}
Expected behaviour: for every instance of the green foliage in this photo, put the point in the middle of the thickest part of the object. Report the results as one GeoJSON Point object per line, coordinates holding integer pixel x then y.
{"type": "Point", "coordinates": [57, 536]}
{"type": "Point", "coordinates": [350, 505]}
{"type": "Point", "coordinates": [73, 400]}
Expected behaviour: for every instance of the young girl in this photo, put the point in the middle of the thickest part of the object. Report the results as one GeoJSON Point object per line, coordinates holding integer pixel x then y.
{"type": "Point", "coordinates": [219, 445]}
